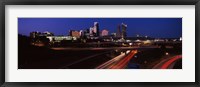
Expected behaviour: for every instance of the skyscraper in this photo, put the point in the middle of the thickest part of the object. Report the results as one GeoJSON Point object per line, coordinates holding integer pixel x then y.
{"type": "Point", "coordinates": [96, 28]}
{"type": "Point", "coordinates": [81, 33]}
{"type": "Point", "coordinates": [124, 26]}
{"type": "Point", "coordinates": [118, 31]}
{"type": "Point", "coordinates": [91, 31]}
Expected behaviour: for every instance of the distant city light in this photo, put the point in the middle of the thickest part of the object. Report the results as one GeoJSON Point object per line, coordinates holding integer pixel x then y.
{"type": "Point", "coordinates": [166, 53]}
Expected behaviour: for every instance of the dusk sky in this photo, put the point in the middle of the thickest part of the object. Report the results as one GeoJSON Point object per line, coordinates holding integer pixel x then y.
{"type": "Point", "coordinates": [153, 27]}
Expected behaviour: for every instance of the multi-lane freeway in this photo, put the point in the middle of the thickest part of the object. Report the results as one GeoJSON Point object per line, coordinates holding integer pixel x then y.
{"type": "Point", "coordinates": [107, 48]}
{"type": "Point", "coordinates": [168, 63]}
{"type": "Point", "coordinates": [118, 62]}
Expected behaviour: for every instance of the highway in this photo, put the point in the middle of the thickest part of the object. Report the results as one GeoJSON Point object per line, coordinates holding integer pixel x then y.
{"type": "Point", "coordinates": [84, 59]}
{"type": "Point", "coordinates": [118, 62]}
{"type": "Point", "coordinates": [106, 48]}
{"type": "Point", "coordinates": [167, 63]}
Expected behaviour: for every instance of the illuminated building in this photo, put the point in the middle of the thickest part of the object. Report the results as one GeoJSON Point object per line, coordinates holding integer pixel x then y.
{"type": "Point", "coordinates": [118, 31]}
{"type": "Point", "coordinates": [104, 32]}
{"type": "Point", "coordinates": [59, 38]}
{"type": "Point", "coordinates": [124, 27]}
{"type": "Point", "coordinates": [91, 31]}
{"type": "Point", "coordinates": [74, 33]}
{"type": "Point", "coordinates": [113, 34]}
{"type": "Point", "coordinates": [46, 33]}
{"type": "Point", "coordinates": [86, 33]}
{"type": "Point", "coordinates": [70, 32]}
{"type": "Point", "coordinates": [96, 29]}
{"type": "Point", "coordinates": [39, 34]}
{"type": "Point", "coordinates": [81, 32]}
{"type": "Point", "coordinates": [33, 34]}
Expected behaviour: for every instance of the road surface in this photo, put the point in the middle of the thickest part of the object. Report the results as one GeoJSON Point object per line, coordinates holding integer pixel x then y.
{"type": "Point", "coordinates": [118, 62]}
{"type": "Point", "coordinates": [105, 48]}
{"type": "Point", "coordinates": [167, 63]}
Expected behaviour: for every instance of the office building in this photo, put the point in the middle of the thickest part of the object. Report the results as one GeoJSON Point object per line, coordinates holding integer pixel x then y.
{"type": "Point", "coordinates": [124, 27]}
{"type": "Point", "coordinates": [118, 31]}
{"type": "Point", "coordinates": [96, 29]}
{"type": "Point", "coordinates": [104, 32]}
{"type": "Point", "coordinates": [91, 31]}
{"type": "Point", "coordinates": [74, 33]}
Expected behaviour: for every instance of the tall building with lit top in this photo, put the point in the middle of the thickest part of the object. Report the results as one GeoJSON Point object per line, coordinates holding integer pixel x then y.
{"type": "Point", "coordinates": [96, 29]}
{"type": "Point", "coordinates": [124, 27]}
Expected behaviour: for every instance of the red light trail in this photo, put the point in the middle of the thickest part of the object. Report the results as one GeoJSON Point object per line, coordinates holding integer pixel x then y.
{"type": "Point", "coordinates": [121, 64]}
{"type": "Point", "coordinates": [118, 62]}
{"type": "Point", "coordinates": [169, 62]}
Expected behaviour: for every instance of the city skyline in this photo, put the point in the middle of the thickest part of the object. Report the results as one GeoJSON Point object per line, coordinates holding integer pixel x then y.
{"type": "Point", "coordinates": [100, 43]}
{"type": "Point", "coordinates": [153, 27]}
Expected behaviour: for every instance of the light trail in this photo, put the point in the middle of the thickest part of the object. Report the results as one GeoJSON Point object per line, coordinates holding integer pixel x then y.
{"type": "Point", "coordinates": [118, 62]}
{"type": "Point", "coordinates": [92, 56]}
{"type": "Point", "coordinates": [125, 61]}
{"type": "Point", "coordinates": [110, 62]}
{"type": "Point", "coordinates": [115, 65]}
{"type": "Point", "coordinates": [169, 62]}
{"type": "Point", "coordinates": [104, 48]}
